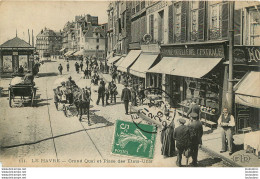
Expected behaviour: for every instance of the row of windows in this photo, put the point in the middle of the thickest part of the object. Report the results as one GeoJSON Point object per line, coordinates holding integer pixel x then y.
{"type": "Point", "coordinates": [187, 21]}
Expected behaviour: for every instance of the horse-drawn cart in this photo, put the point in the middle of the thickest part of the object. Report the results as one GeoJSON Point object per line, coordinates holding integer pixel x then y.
{"type": "Point", "coordinates": [22, 88]}
{"type": "Point", "coordinates": [71, 99]}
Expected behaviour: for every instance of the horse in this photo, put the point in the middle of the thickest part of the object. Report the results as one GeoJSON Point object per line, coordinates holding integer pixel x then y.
{"type": "Point", "coordinates": [81, 99]}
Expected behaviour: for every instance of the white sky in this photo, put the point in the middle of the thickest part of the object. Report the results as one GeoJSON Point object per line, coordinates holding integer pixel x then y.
{"type": "Point", "coordinates": [24, 15]}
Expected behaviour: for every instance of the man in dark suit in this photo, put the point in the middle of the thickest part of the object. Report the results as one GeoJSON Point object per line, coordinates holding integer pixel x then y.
{"type": "Point", "coordinates": [194, 108]}
{"type": "Point", "coordinates": [126, 97]}
{"type": "Point", "coordinates": [182, 137]}
{"type": "Point", "coordinates": [196, 132]}
{"type": "Point", "coordinates": [101, 93]}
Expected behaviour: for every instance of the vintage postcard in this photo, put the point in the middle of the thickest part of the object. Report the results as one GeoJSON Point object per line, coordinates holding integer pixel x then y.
{"type": "Point", "coordinates": [129, 83]}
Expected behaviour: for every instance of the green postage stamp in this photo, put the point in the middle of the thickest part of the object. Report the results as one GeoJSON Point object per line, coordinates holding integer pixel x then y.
{"type": "Point", "coordinates": [132, 139]}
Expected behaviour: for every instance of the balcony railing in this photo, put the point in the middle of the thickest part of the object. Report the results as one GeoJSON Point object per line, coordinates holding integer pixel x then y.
{"type": "Point", "coordinates": [194, 35]}
{"type": "Point", "coordinates": [215, 34]}
{"type": "Point", "coordinates": [177, 38]}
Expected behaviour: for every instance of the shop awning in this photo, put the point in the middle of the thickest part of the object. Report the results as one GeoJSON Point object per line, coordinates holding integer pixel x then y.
{"type": "Point", "coordinates": [79, 53]}
{"type": "Point", "coordinates": [112, 60]}
{"type": "Point", "coordinates": [194, 67]}
{"type": "Point", "coordinates": [247, 90]}
{"type": "Point", "coordinates": [143, 63]}
{"type": "Point", "coordinates": [129, 60]}
{"type": "Point", "coordinates": [68, 53]}
{"type": "Point", "coordinates": [187, 67]}
{"type": "Point", "coordinates": [166, 65]}
{"type": "Point", "coordinates": [61, 50]}
{"type": "Point", "coordinates": [119, 61]}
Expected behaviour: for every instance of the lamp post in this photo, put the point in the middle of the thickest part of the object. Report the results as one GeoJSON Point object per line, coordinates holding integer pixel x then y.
{"type": "Point", "coordinates": [231, 49]}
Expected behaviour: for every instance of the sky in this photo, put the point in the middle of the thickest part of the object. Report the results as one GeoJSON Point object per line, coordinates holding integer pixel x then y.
{"type": "Point", "coordinates": [24, 15]}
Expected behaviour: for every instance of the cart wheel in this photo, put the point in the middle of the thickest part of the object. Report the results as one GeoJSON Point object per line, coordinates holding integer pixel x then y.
{"type": "Point", "coordinates": [56, 105]}
{"type": "Point", "coordinates": [32, 101]}
{"type": "Point", "coordinates": [65, 110]}
{"type": "Point", "coordinates": [10, 99]}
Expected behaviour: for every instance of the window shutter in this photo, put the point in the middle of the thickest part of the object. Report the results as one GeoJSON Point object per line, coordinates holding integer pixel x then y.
{"type": "Point", "coordinates": [138, 29]}
{"type": "Point", "coordinates": [143, 27]}
{"type": "Point", "coordinates": [237, 27]}
{"type": "Point", "coordinates": [170, 24]}
{"type": "Point", "coordinates": [224, 27]}
{"type": "Point", "coordinates": [152, 26]}
{"type": "Point", "coordinates": [119, 25]}
{"type": "Point", "coordinates": [184, 7]}
{"type": "Point", "coordinates": [133, 31]}
{"type": "Point", "coordinates": [201, 20]}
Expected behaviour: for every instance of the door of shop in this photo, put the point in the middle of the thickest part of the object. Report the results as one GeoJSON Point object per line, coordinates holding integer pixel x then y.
{"type": "Point", "coordinates": [173, 89]}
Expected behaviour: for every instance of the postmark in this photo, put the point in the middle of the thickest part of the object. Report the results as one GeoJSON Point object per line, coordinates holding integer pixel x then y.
{"type": "Point", "coordinates": [152, 110]}
{"type": "Point", "coordinates": [129, 140]}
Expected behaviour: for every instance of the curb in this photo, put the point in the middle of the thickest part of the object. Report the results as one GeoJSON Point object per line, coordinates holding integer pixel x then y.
{"type": "Point", "coordinates": [211, 152]}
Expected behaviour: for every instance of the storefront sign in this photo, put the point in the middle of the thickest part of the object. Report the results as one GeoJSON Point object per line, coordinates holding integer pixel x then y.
{"type": "Point", "coordinates": [157, 7]}
{"type": "Point", "coordinates": [150, 48]}
{"type": "Point", "coordinates": [134, 46]}
{"type": "Point", "coordinates": [194, 51]}
{"type": "Point", "coordinates": [247, 55]}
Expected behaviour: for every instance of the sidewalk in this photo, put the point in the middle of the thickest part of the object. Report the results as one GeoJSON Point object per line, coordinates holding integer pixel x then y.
{"type": "Point", "coordinates": [211, 142]}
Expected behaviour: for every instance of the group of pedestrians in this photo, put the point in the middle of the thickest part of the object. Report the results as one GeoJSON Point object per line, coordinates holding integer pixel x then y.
{"type": "Point", "coordinates": [106, 91]}
{"type": "Point", "coordinates": [187, 137]}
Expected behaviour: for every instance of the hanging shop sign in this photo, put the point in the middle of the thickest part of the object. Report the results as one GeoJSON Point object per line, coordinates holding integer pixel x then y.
{"type": "Point", "coordinates": [247, 55]}
{"type": "Point", "coordinates": [194, 51]}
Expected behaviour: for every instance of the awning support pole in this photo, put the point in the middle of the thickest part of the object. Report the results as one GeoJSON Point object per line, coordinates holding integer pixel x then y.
{"type": "Point", "coordinates": [231, 46]}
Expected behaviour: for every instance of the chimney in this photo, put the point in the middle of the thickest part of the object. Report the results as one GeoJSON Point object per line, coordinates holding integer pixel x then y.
{"type": "Point", "coordinates": [32, 39]}
{"type": "Point", "coordinates": [29, 36]}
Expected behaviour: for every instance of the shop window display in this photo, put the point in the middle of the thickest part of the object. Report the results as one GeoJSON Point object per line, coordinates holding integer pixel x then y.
{"type": "Point", "coordinates": [206, 91]}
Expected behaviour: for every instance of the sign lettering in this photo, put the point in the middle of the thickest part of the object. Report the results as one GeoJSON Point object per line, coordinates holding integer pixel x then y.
{"type": "Point", "coordinates": [247, 55]}
{"type": "Point", "coordinates": [204, 51]}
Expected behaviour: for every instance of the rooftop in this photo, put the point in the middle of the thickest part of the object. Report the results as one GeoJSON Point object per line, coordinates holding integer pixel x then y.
{"type": "Point", "coordinates": [15, 42]}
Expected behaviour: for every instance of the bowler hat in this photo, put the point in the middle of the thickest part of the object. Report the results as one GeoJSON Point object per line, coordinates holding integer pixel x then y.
{"type": "Point", "coordinates": [182, 121]}
{"type": "Point", "coordinates": [194, 115]}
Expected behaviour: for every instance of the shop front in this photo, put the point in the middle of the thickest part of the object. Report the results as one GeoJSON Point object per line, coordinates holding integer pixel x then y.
{"type": "Point", "coordinates": [15, 53]}
{"type": "Point", "coordinates": [247, 93]}
{"type": "Point", "coordinates": [193, 71]}
{"type": "Point", "coordinates": [147, 59]}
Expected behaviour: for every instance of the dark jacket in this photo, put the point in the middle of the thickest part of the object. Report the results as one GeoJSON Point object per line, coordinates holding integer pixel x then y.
{"type": "Point", "coordinates": [194, 108]}
{"type": "Point", "coordinates": [60, 68]}
{"type": "Point", "coordinates": [182, 136]}
{"type": "Point", "coordinates": [196, 132]}
{"type": "Point", "coordinates": [126, 94]}
{"type": "Point", "coordinates": [101, 90]}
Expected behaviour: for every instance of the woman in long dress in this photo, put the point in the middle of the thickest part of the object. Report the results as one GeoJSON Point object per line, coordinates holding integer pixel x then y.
{"type": "Point", "coordinates": [167, 140]}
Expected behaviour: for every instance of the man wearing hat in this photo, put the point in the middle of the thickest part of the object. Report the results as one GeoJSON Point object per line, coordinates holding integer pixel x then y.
{"type": "Point", "coordinates": [182, 137]}
{"type": "Point", "coordinates": [60, 68]}
{"type": "Point", "coordinates": [194, 108]}
{"type": "Point", "coordinates": [126, 97]}
{"type": "Point", "coordinates": [196, 132]}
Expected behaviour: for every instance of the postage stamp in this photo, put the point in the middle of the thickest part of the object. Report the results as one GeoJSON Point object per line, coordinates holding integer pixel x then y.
{"type": "Point", "coordinates": [133, 141]}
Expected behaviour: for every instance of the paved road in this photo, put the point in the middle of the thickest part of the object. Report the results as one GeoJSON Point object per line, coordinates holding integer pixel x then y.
{"type": "Point", "coordinates": [44, 136]}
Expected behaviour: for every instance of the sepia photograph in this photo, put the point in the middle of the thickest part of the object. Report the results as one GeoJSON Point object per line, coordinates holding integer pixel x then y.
{"type": "Point", "coordinates": [129, 83]}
